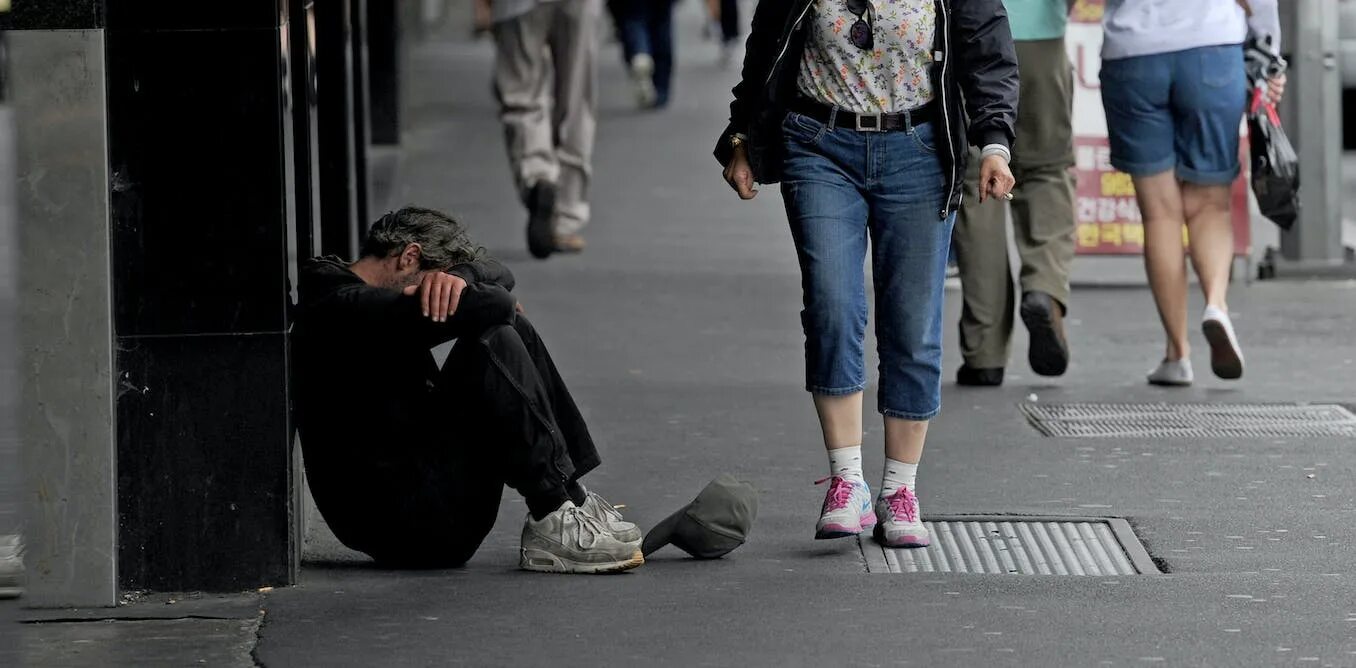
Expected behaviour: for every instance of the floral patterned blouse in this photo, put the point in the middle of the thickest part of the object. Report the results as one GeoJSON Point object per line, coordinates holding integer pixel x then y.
{"type": "Point", "coordinates": [894, 76]}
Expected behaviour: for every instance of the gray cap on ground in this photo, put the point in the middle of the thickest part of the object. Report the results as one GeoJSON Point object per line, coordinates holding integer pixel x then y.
{"type": "Point", "coordinates": [713, 525]}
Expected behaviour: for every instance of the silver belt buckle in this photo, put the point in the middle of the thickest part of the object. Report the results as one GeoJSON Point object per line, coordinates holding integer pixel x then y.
{"type": "Point", "coordinates": [869, 122]}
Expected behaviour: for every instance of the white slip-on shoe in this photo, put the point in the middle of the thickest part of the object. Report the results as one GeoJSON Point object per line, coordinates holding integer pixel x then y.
{"type": "Point", "coordinates": [1172, 373]}
{"type": "Point", "coordinates": [1226, 358]}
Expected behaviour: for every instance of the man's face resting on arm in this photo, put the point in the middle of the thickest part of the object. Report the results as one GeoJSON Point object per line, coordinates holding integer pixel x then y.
{"type": "Point", "coordinates": [438, 291]}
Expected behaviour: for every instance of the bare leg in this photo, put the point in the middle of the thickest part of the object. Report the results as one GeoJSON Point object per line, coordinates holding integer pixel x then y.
{"type": "Point", "coordinates": [904, 439]}
{"type": "Point", "coordinates": [841, 419]}
{"type": "Point", "coordinates": [1212, 239]}
{"type": "Point", "coordinates": [1160, 204]}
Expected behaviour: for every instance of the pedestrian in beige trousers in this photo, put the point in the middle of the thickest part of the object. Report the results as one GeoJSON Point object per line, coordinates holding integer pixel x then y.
{"type": "Point", "coordinates": [1042, 214]}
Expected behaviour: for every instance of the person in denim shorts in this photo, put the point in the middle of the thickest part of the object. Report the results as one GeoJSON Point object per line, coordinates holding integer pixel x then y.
{"type": "Point", "coordinates": [863, 109]}
{"type": "Point", "coordinates": [1174, 90]}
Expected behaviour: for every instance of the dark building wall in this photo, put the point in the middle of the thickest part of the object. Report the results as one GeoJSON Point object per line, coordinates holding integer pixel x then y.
{"type": "Point", "coordinates": [383, 57]}
{"type": "Point", "coordinates": [200, 153]}
{"type": "Point", "coordinates": [193, 155]}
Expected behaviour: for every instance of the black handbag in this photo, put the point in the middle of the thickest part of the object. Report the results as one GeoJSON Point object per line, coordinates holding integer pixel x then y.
{"type": "Point", "coordinates": [1275, 167]}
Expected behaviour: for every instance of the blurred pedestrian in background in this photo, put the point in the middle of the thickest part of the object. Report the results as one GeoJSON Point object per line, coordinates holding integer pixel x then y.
{"type": "Point", "coordinates": [545, 79]}
{"type": "Point", "coordinates": [1042, 213]}
{"type": "Point", "coordinates": [646, 30]}
{"type": "Point", "coordinates": [482, 17]}
{"type": "Point", "coordinates": [724, 26]}
{"type": "Point", "coordinates": [863, 110]}
{"type": "Point", "coordinates": [1174, 90]}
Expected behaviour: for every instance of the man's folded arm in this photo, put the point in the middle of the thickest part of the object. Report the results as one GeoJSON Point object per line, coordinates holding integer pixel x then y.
{"type": "Point", "coordinates": [482, 305]}
{"type": "Point", "coordinates": [487, 270]}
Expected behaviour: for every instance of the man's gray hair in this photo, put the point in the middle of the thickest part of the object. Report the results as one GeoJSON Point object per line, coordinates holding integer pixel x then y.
{"type": "Point", "coordinates": [443, 241]}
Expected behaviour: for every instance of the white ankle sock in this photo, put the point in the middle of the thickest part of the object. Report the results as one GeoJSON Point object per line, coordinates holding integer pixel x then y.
{"type": "Point", "coordinates": [846, 462]}
{"type": "Point", "coordinates": [898, 474]}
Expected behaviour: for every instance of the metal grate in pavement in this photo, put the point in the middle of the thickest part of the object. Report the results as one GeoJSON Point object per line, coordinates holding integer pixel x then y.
{"type": "Point", "coordinates": [1096, 420]}
{"type": "Point", "coordinates": [11, 566]}
{"type": "Point", "coordinates": [1019, 546]}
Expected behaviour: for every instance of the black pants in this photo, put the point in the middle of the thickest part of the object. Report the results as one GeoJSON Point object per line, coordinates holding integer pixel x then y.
{"type": "Point", "coordinates": [498, 414]}
{"type": "Point", "coordinates": [729, 20]}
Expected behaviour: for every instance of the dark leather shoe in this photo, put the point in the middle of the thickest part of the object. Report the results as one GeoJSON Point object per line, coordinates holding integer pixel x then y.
{"type": "Point", "coordinates": [1044, 318]}
{"type": "Point", "coordinates": [973, 377]}
{"type": "Point", "coordinates": [541, 212]}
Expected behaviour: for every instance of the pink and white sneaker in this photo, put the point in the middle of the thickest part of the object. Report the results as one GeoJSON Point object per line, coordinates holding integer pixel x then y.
{"type": "Point", "coordinates": [901, 524]}
{"type": "Point", "coordinates": [847, 509]}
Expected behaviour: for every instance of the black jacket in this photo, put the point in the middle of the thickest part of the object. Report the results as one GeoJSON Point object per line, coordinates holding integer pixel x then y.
{"type": "Point", "coordinates": [363, 370]}
{"type": "Point", "coordinates": [977, 85]}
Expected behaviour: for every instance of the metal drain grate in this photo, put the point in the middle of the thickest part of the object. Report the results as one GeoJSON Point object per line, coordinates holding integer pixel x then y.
{"type": "Point", "coordinates": [1021, 546]}
{"type": "Point", "coordinates": [1089, 420]}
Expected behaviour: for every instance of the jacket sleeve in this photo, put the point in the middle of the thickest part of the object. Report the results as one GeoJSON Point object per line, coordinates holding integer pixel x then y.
{"type": "Point", "coordinates": [986, 68]}
{"type": "Point", "coordinates": [488, 270]}
{"type": "Point", "coordinates": [1264, 19]}
{"type": "Point", "coordinates": [482, 305]}
{"type": "Point", "coordinates": [760, 52]}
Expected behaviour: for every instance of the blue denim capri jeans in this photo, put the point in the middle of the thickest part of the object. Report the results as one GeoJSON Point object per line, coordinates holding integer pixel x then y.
{"type": "Point", "coordinates": [845, 190]}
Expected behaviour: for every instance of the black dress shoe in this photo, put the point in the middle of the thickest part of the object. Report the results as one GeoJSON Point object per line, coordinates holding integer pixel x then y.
{"type": "Point", "coordinates": [541, 212]}
{"type": "Point", "coordinates": [969, 375]}
{"type": "Point", "coordinates": [1044, 318]}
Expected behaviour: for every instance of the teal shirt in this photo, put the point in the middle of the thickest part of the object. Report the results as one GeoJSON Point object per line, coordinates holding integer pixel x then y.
{"type": "Point", "coordinates": [1037, 19]}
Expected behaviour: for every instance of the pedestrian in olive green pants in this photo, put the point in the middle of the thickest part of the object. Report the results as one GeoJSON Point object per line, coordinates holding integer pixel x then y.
{"type": "Point", "coordinates": [1043, 217]}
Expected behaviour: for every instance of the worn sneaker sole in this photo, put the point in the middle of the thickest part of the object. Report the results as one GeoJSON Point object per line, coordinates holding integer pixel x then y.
{"type": "Point", "coordinates": [1160, 382]}
{"type": "Point", "coordinates": [541, 561]}
{"type": "Point", "coordinates": [1225, 360]}
{"type": "Point", "coordinates": [1048, 355]}
{"type": "Point", "coordinates": [904, 541]}
{"type": "Point", "coordinates": [832, 530]}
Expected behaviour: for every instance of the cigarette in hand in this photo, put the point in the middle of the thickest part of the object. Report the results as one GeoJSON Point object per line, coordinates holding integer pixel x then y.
{"type": "Point", "coordinates": [1007, 196]}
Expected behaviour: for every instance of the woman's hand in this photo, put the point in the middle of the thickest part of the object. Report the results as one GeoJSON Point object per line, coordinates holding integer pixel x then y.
{"type": "Point", "coordinates": [995, 179]}
{"type": "Point", "coordinates": [1276, 88]}
{"type": "Point", "coordinates": [739, 174]}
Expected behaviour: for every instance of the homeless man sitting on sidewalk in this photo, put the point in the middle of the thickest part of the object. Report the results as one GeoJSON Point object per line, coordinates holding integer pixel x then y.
{"type": "Point", "coordinates": [407, 461]}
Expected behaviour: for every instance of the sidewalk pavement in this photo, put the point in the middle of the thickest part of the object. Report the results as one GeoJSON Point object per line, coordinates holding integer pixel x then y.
{"type": "Point", "coordinates": [678, 330]}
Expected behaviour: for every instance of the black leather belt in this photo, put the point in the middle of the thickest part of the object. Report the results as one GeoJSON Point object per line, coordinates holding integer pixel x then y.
{"type": "Point", "coordinates": [865, 122]}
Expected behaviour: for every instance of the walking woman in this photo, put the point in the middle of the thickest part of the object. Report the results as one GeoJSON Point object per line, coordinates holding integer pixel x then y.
{"type": "Point", "coordinates": [1174, 89]}
{"type": "Point", "coordinates": [863, 109]}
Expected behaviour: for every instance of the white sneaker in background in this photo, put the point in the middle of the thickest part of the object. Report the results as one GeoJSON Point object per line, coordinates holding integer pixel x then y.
{"type": "Point", "coordinates": [642, 75]}
{"type": "Point", "coordinates": [1172, 373]}
{"type": "Point", "coordinates": [1226, 358]}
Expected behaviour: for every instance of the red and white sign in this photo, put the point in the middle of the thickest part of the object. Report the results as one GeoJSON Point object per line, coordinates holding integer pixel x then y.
{"type": "Point", "coordinates": [1107, 217]}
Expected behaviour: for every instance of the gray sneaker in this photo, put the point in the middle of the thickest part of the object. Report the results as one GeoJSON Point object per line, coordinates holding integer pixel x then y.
{"type": "Point", "coordinates": [572, 541]}
{"type": "Point", "coordinates": [11, 567]}
{"type": "Point", "coordinates": [598, 508]}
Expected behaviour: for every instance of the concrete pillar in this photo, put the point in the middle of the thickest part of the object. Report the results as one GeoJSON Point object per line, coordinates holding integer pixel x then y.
{"type": "Point", "coordinates": [1312, 112]}
{"type": "Point", "coordinates": [67, 385]}
{"type": "Point", "coordinates": [156, 201]}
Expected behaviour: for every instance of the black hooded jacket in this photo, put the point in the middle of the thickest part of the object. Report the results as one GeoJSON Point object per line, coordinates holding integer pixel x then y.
{"type": "Point", "coordinates": [974, 72]}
